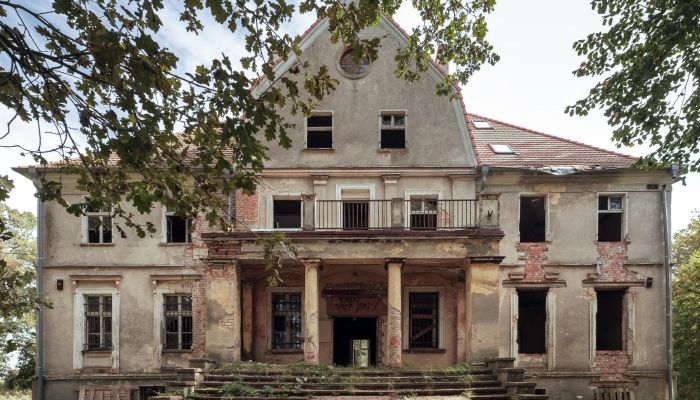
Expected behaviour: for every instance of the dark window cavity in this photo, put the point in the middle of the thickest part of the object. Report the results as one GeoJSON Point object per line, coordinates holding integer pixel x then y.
{"type": "Point", "coordinates": [286, 321]}
{"type": "Point", "coordinates": [355, 214]}
{"type": "Point", "coordinates": [319, 132]}
{"type": "Point", "coordinates": [532, 219]}
{"type": "Point", "coordinates": [393, 131]}
{"type": "Point", "coordinates": [179, 229]}
{"type": "Point", "coordinates": [146, 392]}
{"type": "Point", "coordinates": [424, 213]}
{"type": "Point", "coordinates": [98, 323]}
{"type": "Point", "coordinates": [423, 319]}
{"type": "Point", "coordinates": [610, 213]}
{"type": "Point", "coordinates": [532, 322]}
{"type": "Point", "coordinates": [609, 320]}
{"type": "Point", "coordinates": [178, 322]}
{"type": "Point", "coordinates": [286, 214]}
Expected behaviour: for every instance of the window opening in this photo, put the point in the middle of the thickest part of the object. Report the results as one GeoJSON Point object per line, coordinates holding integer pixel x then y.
{"type": "Point", "coordinates": [393, 131]}
{"type": "Point", "coordinates": [424, 212]}
{"type": "Point", "coordinates": [609, 319]}
{"type": "Point", "coordinates": [502, 148]}
{"type": "Point", "coordinates": [610, 213]}
{"type": "Point", "coordinates": [481, 124]}
{"type": "Point", "coordinates": [319, 132]}
{"type": "Point", "coordinates": [351, 66]}
{"type": "Point", "coordinates": [423, 319]}
{"type": "Point", "coordinates": [532, 322]}
{"type": "Point", "coordinates": [355, 208]}
{"type": "Point", "coordinates": [178, 229]}
{"type": "Point", "coordinates": [286, 321]}
{"type": "Point", "coordinates": [98, 323]}
{"type": "Point", "coordinates": [178, 322]}
{"type": "Point", "coordinates": [145, 392]}
{"type": "Point", "coordinates": [532, 219]}
{"type": "Point", "coordinates": [99, 224]}
{"type": "Point", "coordinates": [286, 214]}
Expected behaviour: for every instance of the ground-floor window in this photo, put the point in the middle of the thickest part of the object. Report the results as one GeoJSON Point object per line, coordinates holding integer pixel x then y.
{"type": "Point", "coordinates": [286, 321]}
{"type": "Point", "coordinates": [610, 319]}
{"type": "Point", "coordinates": [178, 322]}
{"type": "Point", "coordinates": [532, 322]}
{"type": "Point", "coordinates": [423, 309]}
{"type": "Point", "coordinates": [98, 322]}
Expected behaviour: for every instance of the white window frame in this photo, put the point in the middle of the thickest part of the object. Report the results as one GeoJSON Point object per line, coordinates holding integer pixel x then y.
{"type": "Point", "coordinates": [164, 228]}
{"type": "Point", "coordinates": [270, 292]}
{"type": "Point", "coordinates": [493, 148]}
{"type": "Point", "coordinates": [547, 234]}
{"type": "Point", "coordinates": [162, 321]}
{"type": "Point", "coordinates": [393, 113]}
{"type": "Point", "coordinates": [79, 334]}
{"type": "Point", "coordinates": [624, 212]}
{"type": "Point", "coordinates": [85, 224]}
{"type": "Point", "coordinates": [339, 196]}
{"type": "Point", "coordinates": [271, 210]}
{"type": "Point", "coordinates": [407, 314]}
{"type": "Point", "coordinates": [408, 193]}
{"type": "Point", "coordinates": [319, 113]}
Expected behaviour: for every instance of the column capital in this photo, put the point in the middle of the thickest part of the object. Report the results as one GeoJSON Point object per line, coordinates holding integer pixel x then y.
{"type": "Point", "coordinates": [391, 178]}
{"type": "Point", "coordinates": [308, 196]}
{"type": "Point", "coordinates": [319, 179]}
{"type": "Point", "coordinates": [311, 262]}
{"type": "Point", "coordinates": [400, 261]}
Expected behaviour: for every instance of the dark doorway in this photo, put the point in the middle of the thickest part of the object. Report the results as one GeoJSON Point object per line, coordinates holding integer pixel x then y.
{"type": "Point", "coordinates": [347, 329]}
{"type": "Point", "coordinates": [532, 322]}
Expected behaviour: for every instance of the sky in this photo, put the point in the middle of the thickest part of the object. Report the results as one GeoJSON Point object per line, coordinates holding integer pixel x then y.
{"type": "Point", "coordinates": [530, 86]}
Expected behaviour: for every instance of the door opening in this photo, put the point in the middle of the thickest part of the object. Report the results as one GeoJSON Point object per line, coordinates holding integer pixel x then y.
{"type": "Point", "coordinates": [355, 341]}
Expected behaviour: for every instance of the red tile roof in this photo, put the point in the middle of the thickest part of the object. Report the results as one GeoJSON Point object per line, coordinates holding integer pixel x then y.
{"type": "Point", "coordinates": [538, 150]}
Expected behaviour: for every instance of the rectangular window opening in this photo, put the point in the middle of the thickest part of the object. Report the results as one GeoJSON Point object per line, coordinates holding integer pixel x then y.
{"type": "Point", "coordinates": [610, 319]}
{"type": "Point", "coordinates": [177, 314]}
{"type": "Point", "coordinates": [319, 132]}
{"type": "Point", "coordinates": [286, 321]}
{"type": "Point", "coordinates": [424, 212]}
{"type": "Point", "coordinates": [532, 219]}
{"type": "Point", "coordinates": [98, 323]}
{"type": "Point", "coordinates": [393, 131]}
{"type": "Point", "coordinates": [179, 229]}
{"type": "Point", "coordinates": [532, 322]}
{"type": "Point", "coordinates": [145, 392]}
{"type": "Point", "coordinates": [423, 319]}
{"type": "Point", "coordinates": [99, 223]}
{"type": "Point", "coordinates": [286, 214]}
{"type": "Point", "coordinates": [610, 218]}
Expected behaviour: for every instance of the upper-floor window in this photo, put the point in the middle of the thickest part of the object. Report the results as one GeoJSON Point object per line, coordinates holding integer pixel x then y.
{"type": "Point", "coordinates": [177, 229]}
{"type": "Point", "coordinates": [286, 214]}
{"type": "Point", "coordinates": [98, 322]}
{"type": "Point", "coordinates": [610, 218]}
{"type": "Point", "coordinates": [532, 218]}
{"type": "Point", "coordinates": [319, 131]}
{"type": "Point", "coordinates": [178, 322]}
{"type": "Point", "coordinates": [98, 224]}
{"type": "Point", "coordinates": [393, 131]}
{"type": "Point", "coordinates": [610, 319]}
{"type": "Point", "coordinates": [424, 212]}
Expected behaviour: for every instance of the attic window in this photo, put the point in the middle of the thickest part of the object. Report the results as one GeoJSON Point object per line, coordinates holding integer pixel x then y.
{"type": "Point", "coordinates": [482, 125]}
{"type": "Point", "coordinates": [502, 148]}
{"type": "Point", "coordinates": [352, 65]}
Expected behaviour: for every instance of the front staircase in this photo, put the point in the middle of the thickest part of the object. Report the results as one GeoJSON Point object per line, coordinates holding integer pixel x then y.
{"type": "Point", "coordinates": [493, 380]}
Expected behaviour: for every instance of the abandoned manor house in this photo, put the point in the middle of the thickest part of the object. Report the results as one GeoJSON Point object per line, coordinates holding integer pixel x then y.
{"type": "Point", "coordinates": [425, 236]}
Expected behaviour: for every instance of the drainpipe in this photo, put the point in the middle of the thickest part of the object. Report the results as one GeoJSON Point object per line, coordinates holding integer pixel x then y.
{"type": "Point", "coordinates": [484, 174]}
{"type": "Point", "coordinates": [667, 275]}
{"type": "Point", "coordinates": [34, 176]}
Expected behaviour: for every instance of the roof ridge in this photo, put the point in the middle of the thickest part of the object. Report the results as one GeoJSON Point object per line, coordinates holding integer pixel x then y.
{"type": "Point", "coordinates": [553, 136]}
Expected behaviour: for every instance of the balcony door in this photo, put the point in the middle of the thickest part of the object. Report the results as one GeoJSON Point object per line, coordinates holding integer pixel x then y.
{"type": "Point", "coordinates": [355, 208]}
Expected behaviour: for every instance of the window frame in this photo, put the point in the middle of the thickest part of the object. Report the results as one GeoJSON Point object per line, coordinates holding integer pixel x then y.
{"type": "Point", "coordinates": [498, 152]}
{"type": "Point", "coordinates": [271, 210]}
{"type": "Point", "coordinates": [270, 318]}
{"type": "Point", "coordinates": [440, 340]}
{"type": "Point", "coordinates": [180, 314]}
{"type": "Point", "coordinates": [393, 114]}
{"type": "Point", "coordinates": [96, 214]}
{"type": "Point", "coordinates": [409, 193]}
{"type": "Point", "coordinates": [623, 211]}
{"type": "Point", "coordinates": [319, 113]}
{"type": "Point", "coordinates": [189, 228]}
{"type": "Point", "coordinates": [624, 319]}
{"type": "Point", "coordinates": [547, 236]}
{"type": "Point", "coordinates": [79, 339]}
{"type": "Point", "coordinates": [102, 315]}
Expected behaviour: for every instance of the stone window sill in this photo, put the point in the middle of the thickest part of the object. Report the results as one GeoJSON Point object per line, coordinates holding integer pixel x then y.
{"type": "Point", "coordinates": [171, 244]}
{"type": "Point", "coordinates": [96, 244]}
{"type": "Point", "coordinates": [404, 150]}
{"type": "Point", "coordinates": [320, 149]}
{"type": "Point", "coordinates": [98, 353]}
{"type": "Point", "coordinates": [428, 350]}
{"type": "Point", "coordinates": [282, 351]}
{"type": "Point", "coordinates": [177, 350]}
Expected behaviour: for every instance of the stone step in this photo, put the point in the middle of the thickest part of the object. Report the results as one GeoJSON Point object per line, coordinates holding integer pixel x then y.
{"type": "Point", "coordinates": [352, 391]}
{"type": "Point", "coordinates": [472, 397]}
{"type": "Point", "coordinates": [369, 372]}
{"type": "Point", "coordinates": [360, 385]}
{"type": "Point", "coordinates": [349, 378]}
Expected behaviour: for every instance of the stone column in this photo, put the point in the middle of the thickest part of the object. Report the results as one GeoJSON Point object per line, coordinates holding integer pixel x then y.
{"type": "Point", "coordinates": [248, 310]}
{"type": "Point", "coordinates": [395, 342]}
{"type": "Point", "coordinates": [311, 342]}
{"type": "Point", "coordinates": [223, 328]}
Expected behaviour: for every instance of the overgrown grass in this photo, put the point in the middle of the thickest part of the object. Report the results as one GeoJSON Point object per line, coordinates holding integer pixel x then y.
{"type": "Point", "coordinates": [15, 394]}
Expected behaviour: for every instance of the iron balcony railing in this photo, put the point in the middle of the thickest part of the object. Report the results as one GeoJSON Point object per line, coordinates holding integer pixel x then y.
{"type": "Point", "coordinates": [414, 214]}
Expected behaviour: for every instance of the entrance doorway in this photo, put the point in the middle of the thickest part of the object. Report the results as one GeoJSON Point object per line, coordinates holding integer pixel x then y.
{"type": "Point", "coordinates": [350, 338]}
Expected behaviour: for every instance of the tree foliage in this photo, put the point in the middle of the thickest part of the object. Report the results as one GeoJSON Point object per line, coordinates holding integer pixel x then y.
{"type": "Point", "coordinates": [686, 309]}
{"type": "Point", "coordinates": [649, 81]}
{"type": "Point", "coordinates": [94, 77]}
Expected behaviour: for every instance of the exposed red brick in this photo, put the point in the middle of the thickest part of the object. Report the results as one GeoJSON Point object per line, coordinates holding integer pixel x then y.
{"type": "Point", "coordinates": [611, 257]}
{"type": "Point", "coordinates": [611, 365]}
{"type": "Point", "coordinates": [535, 256]}
{"type": "Point", "coordinates": [246, 210]}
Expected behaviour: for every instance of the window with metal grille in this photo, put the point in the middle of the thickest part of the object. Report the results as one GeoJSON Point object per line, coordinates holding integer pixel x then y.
{"type": "Point", "coordinates": [178, 229]}
{"type": "Point", "coordinates": [98, 323]}
{"type": "Point", "coordinates": [319, 131]}
{"type": "Point", "coordinates": [99, 224]}
{"type": "Point", "coordinates": [178, 322]}
{"type": "Point", "coordinates": [610, 213]}
{"type": "Point", "coordinates": [424, 212]}
{"type": "Point", "coordinates": [393, 131]}
{"type": "Point", "coordinates": [286, 321]}
{"type": "Point", "coordinates": [423, 319]}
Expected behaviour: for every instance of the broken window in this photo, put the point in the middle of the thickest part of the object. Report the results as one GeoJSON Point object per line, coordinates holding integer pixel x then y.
{"type": "Point", "coordinates": [99, 223]}
{"type": "Point", "coordinates": [424, 212]}
{"type": "Point", "coordinates": [286, 214]}
{"type": "Point", "coordinates": [319, 131]}
{"type": "Point", "coordinates": [532, 322]}
{"type": "Point", "coordinates": [178, 322]}
{"type": "Point", "coordinates": [609, 319]}
{"type": "Point", "coordinates": [393, 131]}
{"type": "Point", "coordinates": [423, 319]}
{"type": "Point", "coordinates": [610, 213]}
{"type": "Point", "coordinates": [532, 219]}
{"type": "Point", "coordinates": [286, 321]}
{"type": "Point", "coordinates": [98, 322]}
{"type": "Point", "coordinates": [178, 229]}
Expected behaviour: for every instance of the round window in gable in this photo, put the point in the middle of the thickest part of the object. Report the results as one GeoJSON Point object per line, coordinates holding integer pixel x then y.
{"type": "Point", "coordinates": [350, 67]}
